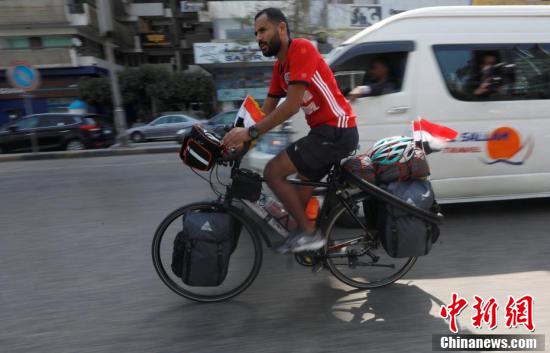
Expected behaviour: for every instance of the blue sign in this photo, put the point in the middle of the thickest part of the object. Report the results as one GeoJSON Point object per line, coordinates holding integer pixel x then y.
{"type": "Point", "coordinates": [23, 76]}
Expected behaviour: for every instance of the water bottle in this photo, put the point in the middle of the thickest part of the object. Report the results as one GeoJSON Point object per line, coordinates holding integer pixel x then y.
{"type": "Point", "coordinates": [276, 210]}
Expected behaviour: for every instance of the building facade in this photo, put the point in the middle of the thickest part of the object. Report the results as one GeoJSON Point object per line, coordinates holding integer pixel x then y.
{"type": "Point", "coordinates": [63, 40]}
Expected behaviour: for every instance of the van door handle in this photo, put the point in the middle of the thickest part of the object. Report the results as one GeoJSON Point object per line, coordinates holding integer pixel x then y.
{"type": "Point", "coordinates": [397, 110]}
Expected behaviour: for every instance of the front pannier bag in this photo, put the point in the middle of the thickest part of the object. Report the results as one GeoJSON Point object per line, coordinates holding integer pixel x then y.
{"type": "Point", "coordinates": [200, 148]}
{"type": "Point", "coordinates": [203, 248]}
{"type": "Point", "coordinates": [402, 234]}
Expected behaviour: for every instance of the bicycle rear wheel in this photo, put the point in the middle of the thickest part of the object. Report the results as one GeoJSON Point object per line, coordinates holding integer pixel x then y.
{"type": "Point", "coordinates": [244, 264]}
{"type": "Point", "coordinates": [353, 257]}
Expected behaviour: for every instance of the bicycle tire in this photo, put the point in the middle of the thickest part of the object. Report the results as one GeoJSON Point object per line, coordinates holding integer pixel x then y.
{"type": "Point", "coordinates": [337, 212]}
{"type": "Point", "coordinates": [188, 293]}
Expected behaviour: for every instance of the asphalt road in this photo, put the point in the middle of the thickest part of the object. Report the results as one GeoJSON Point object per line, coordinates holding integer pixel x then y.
{"type": "Point", "coordinates": [76, 273]}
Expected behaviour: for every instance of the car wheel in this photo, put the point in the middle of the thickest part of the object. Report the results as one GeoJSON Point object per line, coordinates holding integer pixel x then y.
{"type": "Point", "coordinates": [137, 137]}
{"type": "Point", "coordinates": [74, 145]}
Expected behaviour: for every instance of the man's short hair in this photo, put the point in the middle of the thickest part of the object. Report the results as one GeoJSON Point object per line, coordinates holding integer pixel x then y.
{"type": "Point", "coordinates": [275, 16]}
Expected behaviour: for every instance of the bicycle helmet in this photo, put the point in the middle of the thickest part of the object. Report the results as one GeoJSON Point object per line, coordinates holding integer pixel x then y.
{"type": "Point", "coordinates": [390, 150]}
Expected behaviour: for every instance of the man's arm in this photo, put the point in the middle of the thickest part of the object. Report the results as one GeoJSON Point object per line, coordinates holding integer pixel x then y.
{"type": "Point", "coordinates": [279, 114]}
{"type": "Point", "coordinates": [284, 111]}
{"type": "Point", "coordinates": [270, 104]}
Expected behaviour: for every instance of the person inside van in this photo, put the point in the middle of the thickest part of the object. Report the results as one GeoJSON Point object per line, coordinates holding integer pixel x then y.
{"type": "Point", "coordinates": [378, 80]}
{"type": "Point", "coordinates": [487, 79]}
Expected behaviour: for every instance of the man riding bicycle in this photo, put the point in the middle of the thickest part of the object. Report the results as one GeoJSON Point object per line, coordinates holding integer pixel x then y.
{"type": "Point", "coordinates": [302, 76]}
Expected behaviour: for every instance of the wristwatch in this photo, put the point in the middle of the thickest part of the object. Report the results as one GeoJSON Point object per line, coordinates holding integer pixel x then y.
{"type": "Point", "coordinates": [253, 132]}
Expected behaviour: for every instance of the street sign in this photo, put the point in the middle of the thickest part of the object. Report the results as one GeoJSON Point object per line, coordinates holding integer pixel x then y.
{"type": "Point", "coordinates": [23, 76]}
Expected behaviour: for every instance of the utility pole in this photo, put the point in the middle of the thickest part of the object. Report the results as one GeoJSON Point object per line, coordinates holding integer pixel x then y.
{"type": "Point", "coordinates": [176, 32]}
{"type": "Point", "coordinates": [105, 15]}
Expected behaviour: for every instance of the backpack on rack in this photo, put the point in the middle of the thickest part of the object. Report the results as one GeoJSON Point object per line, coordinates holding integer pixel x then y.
{"type": "Point", "coordinates": [203, 248]}
{"type": "Point", "coordinates": [402, 234]}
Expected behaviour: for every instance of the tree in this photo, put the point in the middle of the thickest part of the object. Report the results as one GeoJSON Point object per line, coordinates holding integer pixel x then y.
{"type": "Point", "coordinates": [96, 91]}
{"type": "Point", "coordinates": [151, 89]}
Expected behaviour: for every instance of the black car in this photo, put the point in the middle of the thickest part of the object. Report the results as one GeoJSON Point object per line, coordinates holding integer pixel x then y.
{"type": "Point", "coordinates": [55, 131]}
{"type": "Point", "coordinates": [217, 121]}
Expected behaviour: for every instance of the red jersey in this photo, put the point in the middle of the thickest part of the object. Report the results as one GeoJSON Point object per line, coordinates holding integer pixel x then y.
{"type": "Point", "coordinates": [323, 103]}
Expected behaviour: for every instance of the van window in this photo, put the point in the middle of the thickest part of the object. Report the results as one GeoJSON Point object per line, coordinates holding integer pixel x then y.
{"type": "Point", "coordinates": [382, 72]}
{"type": "Point", "coordinates": [495, 72]}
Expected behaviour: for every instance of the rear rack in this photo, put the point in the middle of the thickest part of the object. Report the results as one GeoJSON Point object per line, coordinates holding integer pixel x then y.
{"type": "Point", "coordinates": [385, 196]}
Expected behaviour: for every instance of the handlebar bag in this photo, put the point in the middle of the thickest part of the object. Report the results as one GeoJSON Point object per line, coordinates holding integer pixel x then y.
{"type": "Point", "coordinates": [200, 148]}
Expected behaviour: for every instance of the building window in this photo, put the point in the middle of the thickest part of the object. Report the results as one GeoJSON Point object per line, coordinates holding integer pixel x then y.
{"type": "Point", "coordinates": [56, 42]}
{"type": "Point", "coordinates": [495, 72]}
{"type": "Point", "coordinates": [18, 43]}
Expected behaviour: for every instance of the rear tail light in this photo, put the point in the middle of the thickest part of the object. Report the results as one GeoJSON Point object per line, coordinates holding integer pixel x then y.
{"type": "Point", "coordinates": [90, 128]}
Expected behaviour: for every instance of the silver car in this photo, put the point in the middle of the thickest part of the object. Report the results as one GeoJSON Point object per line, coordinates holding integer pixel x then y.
{"type": "Point", "coordinates": [164, 127]}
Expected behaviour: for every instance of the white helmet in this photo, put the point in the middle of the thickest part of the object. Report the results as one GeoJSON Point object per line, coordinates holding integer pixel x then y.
{"type": "Point", "coordinates": [392, 150]}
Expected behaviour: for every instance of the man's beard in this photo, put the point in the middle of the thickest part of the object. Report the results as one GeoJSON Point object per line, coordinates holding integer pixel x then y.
{"type": "Point", "coordinates": [273, 47]}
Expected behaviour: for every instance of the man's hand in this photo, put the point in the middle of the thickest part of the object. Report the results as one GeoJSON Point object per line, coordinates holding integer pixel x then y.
{"type": "Point", "coordinates": [483, 88]}
{"type": "Point", "coordinates": [235, 137]}
{"type": "Point", "coordinates": [358, 92]}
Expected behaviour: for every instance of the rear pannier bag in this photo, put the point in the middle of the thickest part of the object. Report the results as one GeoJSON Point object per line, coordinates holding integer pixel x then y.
{"type": "Point", "coordinates": [404, 235]}
{"type": "Point", "coordinates": [203, 248]}
{"type": "Point", "coordinates": [200, 148]}
{"type": "Point", "coordinates": [413, 169]}
{"type": "Point", "coordinates": [362, 167]}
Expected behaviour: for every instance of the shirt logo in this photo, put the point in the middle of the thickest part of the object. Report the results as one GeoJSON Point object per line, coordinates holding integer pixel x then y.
{"type": "Point", "coordinates": [287, 77]}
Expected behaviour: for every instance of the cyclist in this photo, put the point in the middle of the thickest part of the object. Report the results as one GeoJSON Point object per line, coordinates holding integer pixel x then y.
{"type": "Point", "coordinates": [302, 76]}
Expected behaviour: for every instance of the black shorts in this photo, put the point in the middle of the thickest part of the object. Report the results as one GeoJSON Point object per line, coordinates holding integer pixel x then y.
{"type": "Point", "coordinates": [314, 154]}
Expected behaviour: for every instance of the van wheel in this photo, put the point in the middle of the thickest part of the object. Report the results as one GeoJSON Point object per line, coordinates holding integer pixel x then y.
{"type": "Point", "coordinates": [137, 137]}
{"type": "Point", "coordinates": [74, 145]}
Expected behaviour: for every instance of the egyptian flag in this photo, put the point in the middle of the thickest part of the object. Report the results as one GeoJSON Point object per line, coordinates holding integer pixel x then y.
{"type": "Point", "coordinates": [249, 114]}
{"type": "Point", "coordinates": [432, 137]}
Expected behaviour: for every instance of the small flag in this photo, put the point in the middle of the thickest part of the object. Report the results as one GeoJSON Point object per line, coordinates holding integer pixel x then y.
{"type": "Point", "coordinates": [249, 114]}
{"type": "Point", "coordinates": [435, 136]}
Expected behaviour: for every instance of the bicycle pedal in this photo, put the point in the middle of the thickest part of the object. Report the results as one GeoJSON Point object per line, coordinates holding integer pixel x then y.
{"type": "Point", "coordinates": [318, 267]}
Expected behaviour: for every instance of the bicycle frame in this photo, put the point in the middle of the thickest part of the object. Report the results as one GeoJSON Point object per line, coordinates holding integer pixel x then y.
{"type": "Point", "coordinates": [334, 186]}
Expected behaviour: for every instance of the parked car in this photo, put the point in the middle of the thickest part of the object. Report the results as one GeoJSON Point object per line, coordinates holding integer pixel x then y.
{"type": "Point", "coordinates": [164, 127]}
{"type": "Point", "coordinates": [56, 131]}
{"type": "Point", "coordinates": [218, 120]}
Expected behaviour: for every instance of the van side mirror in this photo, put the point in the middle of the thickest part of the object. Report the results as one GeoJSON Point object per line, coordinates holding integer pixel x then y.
{"type": "Point", "coordinates": [13, 128]}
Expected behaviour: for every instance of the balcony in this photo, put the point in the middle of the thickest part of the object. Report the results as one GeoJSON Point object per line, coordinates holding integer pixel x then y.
{"type": "Point", "coordinates": [51, 57]}
{"type": "Point", "coordinates": [36, 12]}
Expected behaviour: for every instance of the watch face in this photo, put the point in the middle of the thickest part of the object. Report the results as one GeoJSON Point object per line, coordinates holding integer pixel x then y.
{"type": "Point", "coordinates": [253, 132]}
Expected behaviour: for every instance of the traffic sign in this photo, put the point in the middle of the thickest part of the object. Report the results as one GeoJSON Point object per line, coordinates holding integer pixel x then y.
{"type": "Point", "coordinates": [23, 76]}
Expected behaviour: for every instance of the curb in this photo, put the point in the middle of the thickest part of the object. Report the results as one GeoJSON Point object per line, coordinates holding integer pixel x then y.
{"type": "Point", "coordinates": [117, 151]}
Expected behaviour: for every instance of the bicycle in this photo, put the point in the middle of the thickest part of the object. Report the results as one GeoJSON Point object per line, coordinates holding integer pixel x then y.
{"type": "Point", "coordinates": [353, 253]}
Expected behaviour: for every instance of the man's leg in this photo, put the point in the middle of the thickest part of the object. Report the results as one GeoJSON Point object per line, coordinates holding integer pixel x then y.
{"type": "Point", "coordinates": [294, 198]}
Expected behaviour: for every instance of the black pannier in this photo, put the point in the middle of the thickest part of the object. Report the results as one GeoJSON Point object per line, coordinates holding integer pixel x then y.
{"type": "Point", "coordinates": [402, 234]}
{"type": "Point", "coordinates": [203, 248]}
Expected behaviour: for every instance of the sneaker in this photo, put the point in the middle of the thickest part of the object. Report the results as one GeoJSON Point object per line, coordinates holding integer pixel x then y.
{"type": "Point", "coordinates": [301, 242]}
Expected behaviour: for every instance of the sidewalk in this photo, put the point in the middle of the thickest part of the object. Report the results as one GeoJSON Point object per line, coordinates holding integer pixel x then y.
{"type": "Point", "coordinates": [113, 151]}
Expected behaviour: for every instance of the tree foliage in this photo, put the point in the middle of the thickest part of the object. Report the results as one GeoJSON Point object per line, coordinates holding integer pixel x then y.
{"type": "Point", "coordinates": [151, 89]}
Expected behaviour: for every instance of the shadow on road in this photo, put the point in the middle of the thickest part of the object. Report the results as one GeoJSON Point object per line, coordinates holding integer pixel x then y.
{"type": "Point", "coordinates": [490, 238]}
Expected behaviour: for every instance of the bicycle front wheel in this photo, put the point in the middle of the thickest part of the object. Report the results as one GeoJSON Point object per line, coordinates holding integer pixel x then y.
{"type": "Point", "coordinates": [244, 264]}
{"type": "Point", "coordinates": [355, 258]}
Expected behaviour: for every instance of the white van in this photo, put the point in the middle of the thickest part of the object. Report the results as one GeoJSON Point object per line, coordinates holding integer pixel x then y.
{"type": "Point", "coordinates": [435, 57]}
